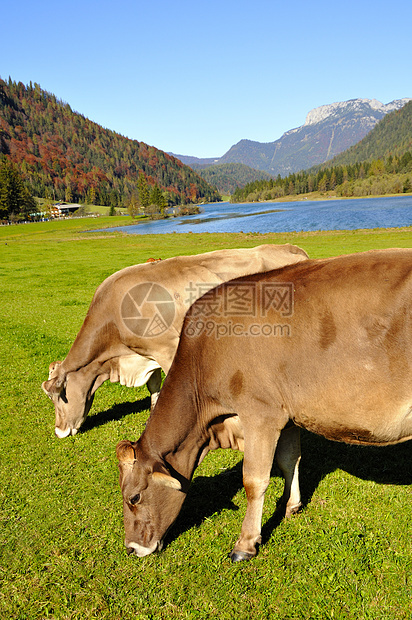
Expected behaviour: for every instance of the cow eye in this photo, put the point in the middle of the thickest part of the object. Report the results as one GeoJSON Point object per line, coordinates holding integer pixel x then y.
{"type": "Point", "coordinates": [135, 499]}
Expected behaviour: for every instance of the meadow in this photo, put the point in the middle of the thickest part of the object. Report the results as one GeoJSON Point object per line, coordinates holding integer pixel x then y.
{"type": "Point", "coordinates": [346, 555]}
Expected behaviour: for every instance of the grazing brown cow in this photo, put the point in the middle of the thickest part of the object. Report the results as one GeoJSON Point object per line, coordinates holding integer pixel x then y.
{"type": "Point", "coordinates": [324, 344]}
{"type": "Point", "coordinates": [133, 325]}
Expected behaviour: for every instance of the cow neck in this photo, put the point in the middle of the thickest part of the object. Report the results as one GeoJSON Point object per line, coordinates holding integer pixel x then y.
{"type": "Point", "coordinates": [176, 430]}
{"type": "Point", "coordinates": [97, 341]}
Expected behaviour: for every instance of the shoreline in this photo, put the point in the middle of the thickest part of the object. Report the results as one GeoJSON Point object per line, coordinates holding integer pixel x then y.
{"type": "Point", "coordinates": [309, 215]}
{"type": "Point", "coordinates": [315, 197]}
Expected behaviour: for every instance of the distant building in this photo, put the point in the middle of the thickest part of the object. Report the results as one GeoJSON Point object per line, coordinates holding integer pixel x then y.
{"type": "Point", "coordinates": [61, 209]}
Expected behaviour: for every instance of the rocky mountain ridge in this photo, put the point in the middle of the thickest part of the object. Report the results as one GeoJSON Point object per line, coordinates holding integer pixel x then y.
{"type": "Point", "coordinates": [317, 115]}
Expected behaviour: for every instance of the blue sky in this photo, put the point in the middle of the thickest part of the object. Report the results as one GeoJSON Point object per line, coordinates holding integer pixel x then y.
{"type": "Point", "coordinates": [196, 77]}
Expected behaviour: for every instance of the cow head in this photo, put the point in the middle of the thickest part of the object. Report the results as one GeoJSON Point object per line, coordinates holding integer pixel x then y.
{"type": "Point", "coordinates": [152, 499]}
{"type": "Point", "coordinates": [72, 394]}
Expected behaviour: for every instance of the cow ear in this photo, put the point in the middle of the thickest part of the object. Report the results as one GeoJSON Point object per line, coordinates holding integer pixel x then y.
{"type": "Point", "coordinates": [166, 480]}
{"type": "Point", "coordinates": [162, 476]}
{"type": "Point", "coordinates": [125, 452]}
{"type": "Point", "coordinates": [55, 385]}
{"type": "Point", "coordinates": [98, 382]}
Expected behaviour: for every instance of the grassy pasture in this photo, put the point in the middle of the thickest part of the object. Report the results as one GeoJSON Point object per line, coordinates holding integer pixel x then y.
{"type": "Point", "coordinates": [347, 555]}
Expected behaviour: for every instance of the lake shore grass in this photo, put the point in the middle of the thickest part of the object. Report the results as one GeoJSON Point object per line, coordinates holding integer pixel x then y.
{"type": "Point", "coordinates": [322, 196]}
{"type": "Point", "coordinates": [347, 555]}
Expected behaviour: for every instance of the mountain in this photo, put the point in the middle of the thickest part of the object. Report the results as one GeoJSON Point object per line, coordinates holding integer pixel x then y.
{"type": "Point", "coordinates": [196, 162]}
{"type": "Point", "coordinates": [328, 130]}
{"type": "Point", "coordinates": [379, 164]}
{"type": "Point", "coordinates": [227, 177]}
{"type": "Point", "coordinates": [64, 156]}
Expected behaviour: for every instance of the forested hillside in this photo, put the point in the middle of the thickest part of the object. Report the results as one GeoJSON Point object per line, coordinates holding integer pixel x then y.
{"type": "Point", "coordinates": [64, 156]}
{"type": "Point", "coordinates": [376, 178]}
{"type": "Point", "coordinates": [227, 177]}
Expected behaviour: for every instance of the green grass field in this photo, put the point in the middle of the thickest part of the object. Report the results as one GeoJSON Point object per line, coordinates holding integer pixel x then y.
{"type": "Point", "coordinates": [347, 555]}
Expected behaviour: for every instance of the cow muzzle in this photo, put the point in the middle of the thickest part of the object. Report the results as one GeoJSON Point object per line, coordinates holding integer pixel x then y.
{"type": "Point", "coordinates": [68, 431]}
{"type": "Point", "coordinates": [133, 548]}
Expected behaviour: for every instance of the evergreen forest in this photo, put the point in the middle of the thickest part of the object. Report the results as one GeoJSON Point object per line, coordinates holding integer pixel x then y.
{"type": "Point", "coordinates": [227, 177]}
{"type": "Point", "coordinates": [375, 178]}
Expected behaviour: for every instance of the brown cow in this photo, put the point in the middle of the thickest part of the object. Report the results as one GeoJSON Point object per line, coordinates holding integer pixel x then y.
{"type": "Point", "coordinates": [133, 325]}
{"type": "Point", "coordinates": [325, 345]}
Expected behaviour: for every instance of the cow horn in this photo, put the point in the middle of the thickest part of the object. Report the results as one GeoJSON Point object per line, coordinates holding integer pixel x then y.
{"type": "Point", "coordinates": [52, 367]}
{"type": "Point", "coordinates": [166, 480]}
{"type": "Point", "coordinates": [125, 451]}
{"type": "Point", "coordinates": [57, 379]}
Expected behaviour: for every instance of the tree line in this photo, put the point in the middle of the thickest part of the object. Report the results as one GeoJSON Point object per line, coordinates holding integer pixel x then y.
{"type": "Point", "coordinates": [379, 176]}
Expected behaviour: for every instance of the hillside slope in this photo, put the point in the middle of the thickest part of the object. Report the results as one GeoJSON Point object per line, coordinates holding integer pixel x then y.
{"type": "Point", "coordinates": [227, 177]}
{"type": "Point", "coordinates": [196, 162]}
{"type": "Point", "coordinates": [65, 156]}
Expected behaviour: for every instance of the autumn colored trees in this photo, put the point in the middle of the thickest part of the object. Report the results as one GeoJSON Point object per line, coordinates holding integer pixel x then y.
{"type": "Point", "coordinates": [62, 155]}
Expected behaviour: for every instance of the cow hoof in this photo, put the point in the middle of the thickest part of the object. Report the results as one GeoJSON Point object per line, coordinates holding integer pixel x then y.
{"type": "Point", "coordinates": [293, 510]}
{"type": "Point", "coordinates": [240, 556]}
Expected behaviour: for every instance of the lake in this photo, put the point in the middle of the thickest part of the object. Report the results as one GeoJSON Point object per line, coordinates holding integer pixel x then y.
{"type": "Point", "coordinates": [302, 215]}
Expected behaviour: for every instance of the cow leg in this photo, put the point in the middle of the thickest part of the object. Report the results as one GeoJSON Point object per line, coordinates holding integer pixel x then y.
{"type": "Point", "coordinates": [260, 446]}
{"type": "Point", "coordinates": [153, 385]}
{"type": "Point", "coordinates": [288, 458]}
